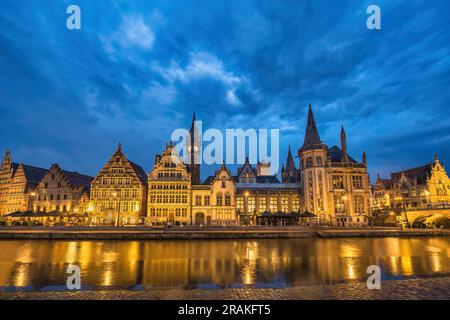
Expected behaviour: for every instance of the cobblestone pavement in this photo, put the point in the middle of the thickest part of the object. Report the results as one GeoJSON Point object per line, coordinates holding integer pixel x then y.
{"type": "Point", "coordinates": [410, 289]}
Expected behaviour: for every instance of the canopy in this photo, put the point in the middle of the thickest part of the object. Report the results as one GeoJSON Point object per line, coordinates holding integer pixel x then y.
{"type": "Point", "coordinates": [307, 214]}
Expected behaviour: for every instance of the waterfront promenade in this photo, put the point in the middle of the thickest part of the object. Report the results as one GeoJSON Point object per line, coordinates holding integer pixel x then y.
{"type": "Point", "coordinates": [193, 232]}
{"type": "Point", "coordinates": [407, 289]}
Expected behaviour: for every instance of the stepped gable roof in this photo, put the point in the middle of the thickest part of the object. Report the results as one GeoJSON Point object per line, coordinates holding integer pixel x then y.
{"type": "Point", "coordinates": [336, 155]}
{"type": "Point", "coordinates": [420, 173]}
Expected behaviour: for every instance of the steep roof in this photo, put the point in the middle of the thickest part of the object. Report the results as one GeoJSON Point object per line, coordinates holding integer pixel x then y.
{"type": "Point", "coordinates": [78, 180]}
{"type": "Point", "coordinates": [336, 155]}
{"type": "Point", "coordinates": [140, 172]}
{"type": "Point", "coordinates": [34, 174]}
{"type": "Point", "coordinates": [420, 173]}
{"type": "Point", "coordinates": [290, 164]}
{"type": "Point", "coordinates": [312, 137]}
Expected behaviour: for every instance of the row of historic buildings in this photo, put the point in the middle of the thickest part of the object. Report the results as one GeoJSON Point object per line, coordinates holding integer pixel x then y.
{"type": "Point", "coordinates": [327, 183]}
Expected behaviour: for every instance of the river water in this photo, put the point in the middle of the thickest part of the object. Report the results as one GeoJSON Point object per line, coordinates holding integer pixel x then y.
{"type": "Point", "coordinates": [206, 264]}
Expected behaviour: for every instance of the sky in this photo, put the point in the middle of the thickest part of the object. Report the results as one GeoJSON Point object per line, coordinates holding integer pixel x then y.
{"type": "Point", "coordinates": [137, 70]}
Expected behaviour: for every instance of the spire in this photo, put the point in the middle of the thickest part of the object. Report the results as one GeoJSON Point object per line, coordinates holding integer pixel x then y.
{"type": "Point", "coordinates": [312, 134]}
{"type": "Point", "coordinates": [436, 158]}
{"type": "Point", "coordinates": [119, 147]}
{"type": "Point", "coordinates": [290, 165]}
{"type": "Point", "coordinates": [364, 158]}
{"type": "Point", "coordinates": [344, 146]}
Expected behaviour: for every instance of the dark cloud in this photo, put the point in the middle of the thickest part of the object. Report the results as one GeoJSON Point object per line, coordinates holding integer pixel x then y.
{"type": "Point", "coordinates": [137, 70]}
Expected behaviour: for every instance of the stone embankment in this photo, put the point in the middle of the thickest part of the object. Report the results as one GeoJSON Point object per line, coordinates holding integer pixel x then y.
{"type": "Point", "coordinates": [142, 233]}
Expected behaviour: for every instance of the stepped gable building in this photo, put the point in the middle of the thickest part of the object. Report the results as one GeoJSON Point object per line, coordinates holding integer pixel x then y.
{"type": "Point", "coordinates": [7, 171]}
{"type": "Point", "coordinates": [119, 192]}
{"type": "Point", "coordinates": [18, 184]}
{"type": "Point", "coordinates": [427, 186]}
{"type": "Point", "coordinates": [169, 190]}
{"type": "Point", "coordinates": [62, 191]}
{"type": "Point", "coordinates": [335, 186]}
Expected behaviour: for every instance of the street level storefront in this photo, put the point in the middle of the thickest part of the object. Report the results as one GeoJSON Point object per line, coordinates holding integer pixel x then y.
{"type": "Point", "coordinates": [28, 218]}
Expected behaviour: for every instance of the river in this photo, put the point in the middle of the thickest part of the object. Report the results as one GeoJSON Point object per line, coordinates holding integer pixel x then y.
{"type": "Point", "coordinates": [207, 264]}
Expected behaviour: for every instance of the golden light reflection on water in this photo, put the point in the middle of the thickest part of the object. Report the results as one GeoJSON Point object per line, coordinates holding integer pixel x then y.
{"type": "Point", "coordinates": [221, 262]}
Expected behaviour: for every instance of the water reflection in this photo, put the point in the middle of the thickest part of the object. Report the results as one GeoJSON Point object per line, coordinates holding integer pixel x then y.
{"type": "Point", "coordinates": [222, 263]}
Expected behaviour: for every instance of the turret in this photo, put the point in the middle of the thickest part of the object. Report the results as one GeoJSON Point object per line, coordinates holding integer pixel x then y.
{"type": "Point", "coordinates": [344, 146]}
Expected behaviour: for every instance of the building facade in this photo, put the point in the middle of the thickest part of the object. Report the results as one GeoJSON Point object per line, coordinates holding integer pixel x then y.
{"type": "Point", "coordinates": [62, 191]}
{"type": "Point", "coordinates": [335, 186]}
{"type": "Point", "coordinates": [119, 192]}
{"type": "Point", "coordinates": [169, 190]}
{"type": "Point", "coordinates": [424, 187]}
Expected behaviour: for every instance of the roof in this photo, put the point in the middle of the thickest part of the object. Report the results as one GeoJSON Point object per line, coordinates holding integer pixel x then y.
{"type": "Point", "coordinates": [269, 186]}
{"type": "Point", "coordinates": [385, 182]}
{"type": "Point", "coordinates": [34, 174]}
{"type": "Point", "coordinates": [140, 172]}
{"type": "Point", "coordinates": [336, 155]}
{"type": "Point", "coordinates": [78, 180]}
{"type": "Point", "coordinates": [267, 179]}
{"type": "Point", "coordinates": [420, 173]}
{"type": "Point", "coordinates": [312, 137]}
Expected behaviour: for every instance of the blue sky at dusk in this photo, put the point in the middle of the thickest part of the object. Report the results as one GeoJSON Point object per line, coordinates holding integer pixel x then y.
{"type": "Point", "coordinates": [138, 69]}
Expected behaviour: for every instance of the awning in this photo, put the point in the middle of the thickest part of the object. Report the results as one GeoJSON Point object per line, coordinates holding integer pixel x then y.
{"type": "Point", "coordinates": [307, 214]}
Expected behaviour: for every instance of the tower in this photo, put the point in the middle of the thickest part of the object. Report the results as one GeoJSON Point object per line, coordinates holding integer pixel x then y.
{"type": "Point", "coordinates": [194, 152]}
{"type": "Point", "coordinates": [290, 173]}
{"type": "Point", "coordinates": [313, 157]}
{"type": "Point", "coordinates": [345, 158]}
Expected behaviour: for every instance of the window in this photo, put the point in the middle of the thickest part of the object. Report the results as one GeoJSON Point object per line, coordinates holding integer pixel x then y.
{"type": "Point", "coordinates": [228, 200]}
{"type": "Point", "coordinates": [219, 200]}
{"type": "Point", "coordinates": [251, 204]}
{"type": "Point", "coordinates": [240, 204]}
{"type": "Point", "coordinates": [59, 184]}
{"type": "Point", "coordinates": [338, 182]}
{"type": "Point", "coordinates": [358, 202]}
{"type": "Point", "coordinates": [198, 200]}
{"type": "Point", "coordinates": [65, 197]}
{"type": "Point", "coordinates": [296, 204]}
{"type": "Point", "coordinates": [309, 162]}
{"type": "Point", "coordinates": [284, 204]}
{"type": "Point", "coordinates": [262, 204]}
{"type": "Point", "coordinates": [319, 161]}
{"type": "Point", "coordinates": [339, 205]}
{"type": "Point", "coordinates": [58, 197]}
{"type": "Point", "coordinates": [207, 200]}
{"type": "Point", "coordinates": [273, 204]}
{"type": "Point", "coordinates": [357, 182]}
{"type": "Point", "coordinates": [224, 185]}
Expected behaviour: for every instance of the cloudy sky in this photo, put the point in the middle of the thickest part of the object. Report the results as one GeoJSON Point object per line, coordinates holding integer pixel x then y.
{"type": "Point", "coordinates": [138, 69]}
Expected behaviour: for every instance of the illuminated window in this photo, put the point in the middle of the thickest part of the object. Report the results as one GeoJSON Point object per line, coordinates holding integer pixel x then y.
{"type": "Point", "coordinates": [358, 203]}
{"type": "Point", "coordinates": [296, 204]}
{"type": "Point", "coordinates": [339, 205]}
{"type": "Point", "coordinates": [262, 204]}
{"type": "Point", "coordinates": [273, 204]}
{"type": "Point", "coordinates": [207, 200]}
{"type": "Point", "coordinates": [240, 204]}
{"type": "Point", "coordinates": [284, 204]}
{"type": "Point", "coordinates": [251, 204]}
